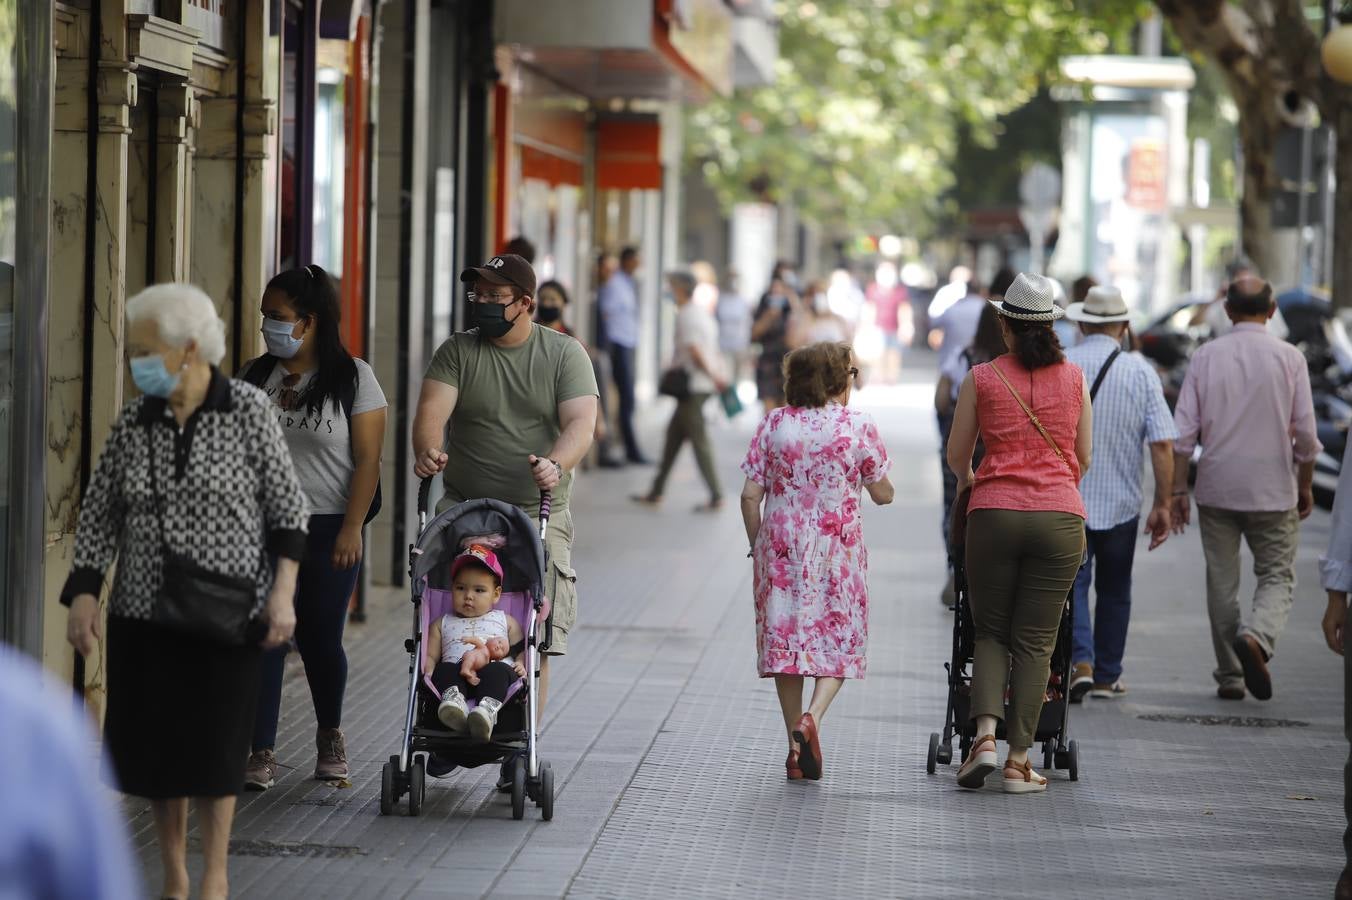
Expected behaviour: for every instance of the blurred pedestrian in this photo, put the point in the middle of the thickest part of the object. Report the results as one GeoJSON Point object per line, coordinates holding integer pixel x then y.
{"type": "Point", "coordinates": [816, 322]}
{"type": "Point", "coordinates": [956, 326]}
{"type": "Point", "coordinates": [1001, 282]}
{"type": "Point", "coordinates": [734, 329]}
{"type": "Point", "coordinates": [958, 287]}
{"type": "Point", "coordinates": [706, 286]}
{"type": "Point", "coordinates": [618, 304]}
{"type": "Point", "coordinates": [61, 836]}
{"type": "Point", "coordinates": [698, 369]}
{"type": "Point", "coordinates": [1025, 531]}
{"type": "Point", "coordinates": [808, 465]}
{"type": "Point", "coordinates": [607, 264]}
{"type": "Point", "coordinates": [988, 343]}
{"type": "Point", "coordinates": [522, 247]}
{"type": "Point", "coordinates": [1129, 412]}
{"type": "Point", "coordinates": [552, 304]}
{"type": "Point", "coordinates": [770, 329]}
{"type": "Point", "coordinates": [1246, 399]}
{"type": "Point", "coordinates": [1335, 571]}
{"type": "Point", "coordinates": [892, 317]}
{"type": "Point", "coordinates": [194, 488]}
{"type": "Point", "coordinates": [332, 412]}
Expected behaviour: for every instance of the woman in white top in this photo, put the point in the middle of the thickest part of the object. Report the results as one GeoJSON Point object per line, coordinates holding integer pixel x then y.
{"type": "Point", "coordinates": [697, 354]}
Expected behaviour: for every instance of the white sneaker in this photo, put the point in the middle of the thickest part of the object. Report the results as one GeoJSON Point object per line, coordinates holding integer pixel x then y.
{"type": "Point", "coordinates": [483, 718]}
{"type": "Point", "coordinates": [452, 710]}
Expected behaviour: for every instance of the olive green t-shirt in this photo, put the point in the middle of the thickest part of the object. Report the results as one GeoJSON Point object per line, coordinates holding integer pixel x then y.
{"type": "Point", "coordinates": [508, 408]}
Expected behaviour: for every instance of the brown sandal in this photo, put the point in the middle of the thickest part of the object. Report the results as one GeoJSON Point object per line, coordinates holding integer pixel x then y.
{"type": "Point", "coordinates": [1026, 781]}
{"type": "Point", "coordinates": [980, 763]}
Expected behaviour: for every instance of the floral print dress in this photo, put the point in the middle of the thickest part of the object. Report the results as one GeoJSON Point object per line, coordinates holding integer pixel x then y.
{"type": "Point", "coordinates": [811, 566]}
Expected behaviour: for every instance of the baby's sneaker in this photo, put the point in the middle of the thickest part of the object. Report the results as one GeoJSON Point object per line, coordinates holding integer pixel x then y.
{"type": "Point", "coordinates": [452, 709]}
{"type": "Point", "coordinates": [484, 717]}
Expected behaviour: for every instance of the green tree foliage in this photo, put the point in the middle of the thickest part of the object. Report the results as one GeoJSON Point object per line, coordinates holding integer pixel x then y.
{"type": "Point", "coordinates": [861, 124]}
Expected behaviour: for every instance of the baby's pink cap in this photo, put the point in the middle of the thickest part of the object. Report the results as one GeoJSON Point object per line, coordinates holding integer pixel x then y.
{"type": "Point", "coordinates": [481, 555]}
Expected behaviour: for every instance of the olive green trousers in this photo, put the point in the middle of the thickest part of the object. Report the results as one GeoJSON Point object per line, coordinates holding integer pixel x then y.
{"type": "Point", "coordinates": [1020, 567]}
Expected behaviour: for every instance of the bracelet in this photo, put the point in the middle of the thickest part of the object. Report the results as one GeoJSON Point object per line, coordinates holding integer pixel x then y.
{"type": "Point", "coordinates": [558, 469]}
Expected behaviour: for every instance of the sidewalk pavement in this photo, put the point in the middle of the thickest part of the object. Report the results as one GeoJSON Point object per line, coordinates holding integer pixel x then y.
{"type": "Point", "coordinates": [669, 753]}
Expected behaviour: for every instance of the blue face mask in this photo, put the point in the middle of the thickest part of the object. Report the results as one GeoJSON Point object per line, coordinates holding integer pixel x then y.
{"type": "Point", "coordinates": [278, 337]}
{"type": "Point", "coordinates": [151, 376]}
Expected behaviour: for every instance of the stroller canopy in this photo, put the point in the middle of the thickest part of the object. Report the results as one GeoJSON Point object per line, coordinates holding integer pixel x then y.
{"type": "Point", "coordinates": [523, 560]}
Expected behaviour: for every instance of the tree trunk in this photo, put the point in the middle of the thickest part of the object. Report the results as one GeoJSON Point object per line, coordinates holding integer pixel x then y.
{"type": "Point", "coordinates": [1258, 144]}
{"type": "Point", "coordinates": [1340, 284]}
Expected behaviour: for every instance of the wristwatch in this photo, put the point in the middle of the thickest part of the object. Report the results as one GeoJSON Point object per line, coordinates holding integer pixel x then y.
{"type": "Point", "coordinates": [558, 469]}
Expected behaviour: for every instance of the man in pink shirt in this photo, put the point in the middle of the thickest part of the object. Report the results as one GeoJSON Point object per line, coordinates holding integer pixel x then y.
{"type": "Point", "coordinates": [1246, 400]}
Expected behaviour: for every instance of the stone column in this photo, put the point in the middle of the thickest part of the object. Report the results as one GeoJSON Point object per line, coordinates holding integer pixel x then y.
{"type": "Point", "coordinates": [176, 106]}
{"type": "Point", "coordinates": [73, 140]}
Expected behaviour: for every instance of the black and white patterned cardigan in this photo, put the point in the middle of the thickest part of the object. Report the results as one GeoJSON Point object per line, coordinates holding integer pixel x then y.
{"type": "Point", "coordinates": [228, 497]}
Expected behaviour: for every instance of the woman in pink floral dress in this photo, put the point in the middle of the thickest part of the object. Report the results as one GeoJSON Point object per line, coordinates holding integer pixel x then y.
{"type": "Point", "coordinates": [808, 465]}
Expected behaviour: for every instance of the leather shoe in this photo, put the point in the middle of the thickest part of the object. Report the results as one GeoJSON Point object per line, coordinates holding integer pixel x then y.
{"type": "Point", "coordinates": [1230, 692]}
{"type": "Point", "coordinates": [791, 767]}
{"type": "Point", "coordinates": [639, 461]}
{"type": "Point", "coordinates": [1344, 889]}
{"type": "Point", "coordinates": [1256, 676]}
{"type": "Point", "coordinates": [809, 750]}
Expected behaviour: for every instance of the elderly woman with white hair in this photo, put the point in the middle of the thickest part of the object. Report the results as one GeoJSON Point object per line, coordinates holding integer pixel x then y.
{"type": "Point", "coordinates": [194, 496]}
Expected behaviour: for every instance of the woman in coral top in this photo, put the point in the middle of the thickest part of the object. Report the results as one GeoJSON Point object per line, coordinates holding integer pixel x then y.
{"type": "Point", "coordinates": [1025, 531]}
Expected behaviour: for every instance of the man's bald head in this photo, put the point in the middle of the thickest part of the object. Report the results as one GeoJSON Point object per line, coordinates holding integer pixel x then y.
{"type": "Point", "coordinates": [1249, 298]}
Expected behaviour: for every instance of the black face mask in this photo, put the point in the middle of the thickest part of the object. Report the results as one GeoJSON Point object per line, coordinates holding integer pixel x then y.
{"type": "Point", "coordinates": [491, 319]}
{"type": "Point", "coordinates": [548, 315]}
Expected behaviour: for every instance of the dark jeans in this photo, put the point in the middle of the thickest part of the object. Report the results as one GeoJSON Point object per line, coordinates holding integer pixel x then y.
{"type": "Point", "coordinates": [950, 480]}
{"type": "Point", "coordinates": [322, 594]}
{"type": "Point", "coordinates": [1102, 642]}
{"type": "Point", "coordinates": [495, 680]}
{"type": "Point", "coordinates": [622, 372]}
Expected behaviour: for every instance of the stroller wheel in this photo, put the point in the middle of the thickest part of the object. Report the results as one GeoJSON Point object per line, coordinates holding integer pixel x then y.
{"type": "Point", "coordinates": [932, 758]}
{"type": "Point", "coordinates": [945, 753]}
{"type": "Point", "coordinates": [387, 790]}
{"type": "Point", "coordinates": [519, 787]}
{"type": "Point", "coordinates": [1073, 763]}
{"type": "Point", "coordinates": [1049, 754]}
{"type": "Point", "coordinates": [417, 786]}
{"type": "Point", "coordinates": [546, 791]}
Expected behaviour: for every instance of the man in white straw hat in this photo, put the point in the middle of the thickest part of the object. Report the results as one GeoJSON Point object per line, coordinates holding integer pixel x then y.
{"type": "Point", "coordinates": [1129, 412]}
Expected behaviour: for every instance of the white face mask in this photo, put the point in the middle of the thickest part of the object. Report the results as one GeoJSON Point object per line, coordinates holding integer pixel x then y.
{"type": "Point", "coordinates": [280, 339]}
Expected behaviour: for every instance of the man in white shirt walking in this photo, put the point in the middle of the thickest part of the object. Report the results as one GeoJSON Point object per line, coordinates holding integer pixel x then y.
{"type": "Point", "coordinates": [1129, 413]}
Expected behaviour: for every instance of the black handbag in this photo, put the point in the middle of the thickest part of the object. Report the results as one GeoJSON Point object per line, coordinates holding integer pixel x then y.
{"type": "Point", "coordinates": [196, 601]}
{"type": "Point", "coordinates": [675, 382]}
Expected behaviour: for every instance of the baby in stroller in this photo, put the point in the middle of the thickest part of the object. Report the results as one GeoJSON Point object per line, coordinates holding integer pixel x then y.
{"type": "Point", "coordinates": [475, 660]}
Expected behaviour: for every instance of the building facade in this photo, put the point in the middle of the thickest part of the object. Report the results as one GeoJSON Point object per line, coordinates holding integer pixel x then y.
{"type": "Point", "coordinates": [392, 142]}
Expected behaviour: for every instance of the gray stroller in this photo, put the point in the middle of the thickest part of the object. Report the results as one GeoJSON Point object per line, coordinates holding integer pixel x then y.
{"type": "Point", "coordinates": [524, 561]}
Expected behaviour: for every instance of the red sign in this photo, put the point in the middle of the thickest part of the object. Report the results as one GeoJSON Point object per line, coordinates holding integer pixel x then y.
{"type": "Point", "coordinates": [1146, 175]}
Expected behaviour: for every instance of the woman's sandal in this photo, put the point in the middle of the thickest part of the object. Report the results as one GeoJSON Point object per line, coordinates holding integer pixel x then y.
{"type": "Point", "coordinates": [980, 762]}
{"type": "Point", "coordinates": [1025, 780]}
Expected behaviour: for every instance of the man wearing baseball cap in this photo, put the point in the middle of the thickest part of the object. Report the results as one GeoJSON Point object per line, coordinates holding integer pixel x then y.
{"type": "Point", "coordinates": [1129, 413]}
{"type": "Point", "coordinates": [521, 401]}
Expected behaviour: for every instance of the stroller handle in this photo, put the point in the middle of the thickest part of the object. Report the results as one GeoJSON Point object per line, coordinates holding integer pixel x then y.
{"type": "Point", "coordinates": [424, 493]}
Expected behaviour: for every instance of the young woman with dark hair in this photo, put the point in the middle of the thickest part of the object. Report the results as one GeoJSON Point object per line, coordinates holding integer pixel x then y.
{"type": "Point", "coordinates": [1025, 531]}
{"type": "Point", "coordinates": [332, 413]}
{"type": "Point", "coordinates": [551, 299]}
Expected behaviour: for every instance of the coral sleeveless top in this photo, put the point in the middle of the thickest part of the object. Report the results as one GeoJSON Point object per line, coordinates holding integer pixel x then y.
{"type": "Point", "coordinates": [1020, 471]}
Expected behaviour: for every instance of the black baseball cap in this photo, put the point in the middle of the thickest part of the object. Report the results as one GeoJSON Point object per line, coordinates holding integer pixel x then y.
{"type": "Point", "coordinates": [507, 268]}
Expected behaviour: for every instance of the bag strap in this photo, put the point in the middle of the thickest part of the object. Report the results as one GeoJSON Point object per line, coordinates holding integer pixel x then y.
{"type": "Point", "coordinates": [257, 371]}
{"type": "Point", "coordinates": [1108, 364]}
{"type": "Point", "coordinates": [1032, 418]}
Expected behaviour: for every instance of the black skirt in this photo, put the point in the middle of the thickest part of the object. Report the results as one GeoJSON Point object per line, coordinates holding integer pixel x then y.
{"type": "Point", "coordinates": [180, 711]}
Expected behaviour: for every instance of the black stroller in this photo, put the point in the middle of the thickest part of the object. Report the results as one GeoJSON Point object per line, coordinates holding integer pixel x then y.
{"type": "Point", "coordinates": [524, 560]}
{"type": "Point", "coordinates": [1057, 751]}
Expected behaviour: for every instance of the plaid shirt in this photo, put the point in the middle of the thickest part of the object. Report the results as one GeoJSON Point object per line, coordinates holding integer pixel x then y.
{"type": "Point", "coordinates": [1129, 412]}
